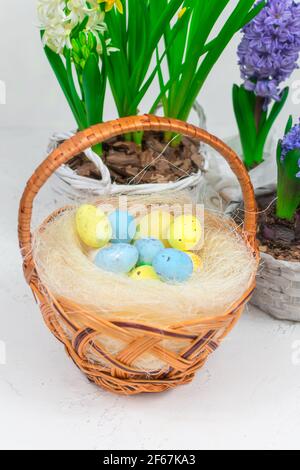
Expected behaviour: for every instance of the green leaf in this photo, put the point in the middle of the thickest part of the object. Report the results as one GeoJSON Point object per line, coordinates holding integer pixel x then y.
{"type": "Point", "coordinates": [228, 30]}
{"type": "Point", "coordinates": [279, 152]}
{"type": "Point", "coordinates": [94, 90]}
{"type": "Point", "coordinates": [204, 16]}
{"type": "Point", "coordinates": [242, 126]}
{"type": "Point", "coordinates": [76, 100]}
{"type": "Point", "coordinates": [156, 33]}
{"type": "Point", "coordinates": [291, 163]}
{"type": "Point", "coordinates": [278, 105]}
{"type": "Point", "coordinates": [275, 111]}
{"type": "Point", "coordinates": [164, 16]}
{"type": "Point", "coordinates": [253, 13]}
{"type": "Point", "coordinates": [247, 104]}
{"type": "Point", "coordinates": [61, 74]}
{"type": "Point", "coordinates": [176, 42]}
{"type": "Point", "coordinates": [207, 14]}
{"type": "Point", "coordinates": [141, 93]}
{"type": "Point", "coordinates": [255, 10]}
{"type": "Point", "coordinates": [161, 84]}
{"type": "Point", "coordinates": [288, 186]}
{"type": "Point", "coordinates": [289, 125]}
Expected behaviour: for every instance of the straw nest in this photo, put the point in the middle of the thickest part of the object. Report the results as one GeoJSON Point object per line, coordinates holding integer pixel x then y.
{"type": "Point", "coordinates": [66, 268]}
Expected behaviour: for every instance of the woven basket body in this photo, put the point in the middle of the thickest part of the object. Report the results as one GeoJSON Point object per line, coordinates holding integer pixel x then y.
{"type": "Point", "coordinates": [81, 329]}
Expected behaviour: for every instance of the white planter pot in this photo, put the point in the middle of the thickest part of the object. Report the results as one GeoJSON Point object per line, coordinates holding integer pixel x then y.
{"type": "Point", "coordinates": [80, 187]}
{"type": "Point", "coordinates": [278, 282]}
{"type": "Point", "coordinates": [278, 288]}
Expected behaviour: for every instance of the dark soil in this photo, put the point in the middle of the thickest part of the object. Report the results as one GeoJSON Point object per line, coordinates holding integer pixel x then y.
{"type": "Point", "coordinates": [131, 164]}
{"type": "Point", "coordinates": [280, 238]}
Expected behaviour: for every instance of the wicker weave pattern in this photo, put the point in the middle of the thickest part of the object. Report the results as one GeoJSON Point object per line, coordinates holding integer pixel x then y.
{"type": "Point", "coordinates": [79, 329]}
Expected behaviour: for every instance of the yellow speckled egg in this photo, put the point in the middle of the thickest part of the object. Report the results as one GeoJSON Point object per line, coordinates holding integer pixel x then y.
{"type": "Point", "coordinates": [93, 227]}
{"type": "Point", "coordinates": [155, 225]}
{"type": "Point", "coordinates": [185, 232]}
{"type": "Point", "coordinates": [144, 273]}
{"type": "Point", "coordinates": [197, 261]}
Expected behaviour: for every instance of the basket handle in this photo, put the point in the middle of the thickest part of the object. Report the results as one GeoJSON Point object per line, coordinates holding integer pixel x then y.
{"type": "Point", "coordinates": [101, 132]}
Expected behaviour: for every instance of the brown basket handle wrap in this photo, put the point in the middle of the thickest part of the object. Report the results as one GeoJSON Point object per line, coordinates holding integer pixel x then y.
{"type": "Point", "coordinates": [101, 132]}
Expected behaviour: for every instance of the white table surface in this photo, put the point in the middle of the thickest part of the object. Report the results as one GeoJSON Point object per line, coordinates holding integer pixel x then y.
{"type": "Point", "coordinates": [247, 396]}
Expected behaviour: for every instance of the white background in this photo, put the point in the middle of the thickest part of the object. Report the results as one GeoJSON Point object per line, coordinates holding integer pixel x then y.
{"type": "Point", "coordinates": [248, 395]}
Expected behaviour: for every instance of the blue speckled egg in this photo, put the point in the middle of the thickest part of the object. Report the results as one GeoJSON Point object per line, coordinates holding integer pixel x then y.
{"type": "Point", "coordinates": [123, 226]}
{"type": "Point", "coordinates": [173, 265]}
{"type": "Point", "coordinates": [119, 258]}
{"type": "Point", "coordinates": [148, 248]}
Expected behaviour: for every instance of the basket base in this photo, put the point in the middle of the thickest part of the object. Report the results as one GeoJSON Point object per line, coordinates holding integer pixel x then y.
{"type": "Point", "coordinates": [119, 375]}
{"type": "Point", "coordinates": [135, 386]}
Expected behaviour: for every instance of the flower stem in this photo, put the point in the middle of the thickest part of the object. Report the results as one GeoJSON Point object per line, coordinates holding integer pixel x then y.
{"type": "Point", "coordinates": [128, 137]}
{"type": "Point", "coordinates": [259, 103]}
{"type": "Point", "coordinates": [173, 138]}
{"type": "Point", "coordinates": [98, 149]}
{"type": "Point", "coordinates": [260, 143]}
{"type": "Point", "coordinates": [138, 138]}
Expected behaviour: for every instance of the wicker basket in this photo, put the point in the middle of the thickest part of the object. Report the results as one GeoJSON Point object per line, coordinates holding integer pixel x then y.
{"type": "Point", "coordinates": [78, 328]}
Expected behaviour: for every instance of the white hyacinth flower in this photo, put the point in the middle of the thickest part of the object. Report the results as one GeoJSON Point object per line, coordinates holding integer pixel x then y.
{"type": "Point", "coordinates": [53, 21]}
{"type": "Point", "coordinates": [96, 22]}
{"type": "Point", "coordinates": [59, 17]}
{"type": "Point", "coordinates": [58, 37]}
{"type": "Point", "coordinates": [51, 12]}
{"type": "Point", "coordinates": [78, 11]}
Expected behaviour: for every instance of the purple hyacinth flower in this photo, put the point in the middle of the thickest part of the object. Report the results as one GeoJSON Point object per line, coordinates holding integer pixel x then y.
{"type": "Point", "coordinates": [291, 141]}
{"type": "Point", "coordinates": [269, 50]}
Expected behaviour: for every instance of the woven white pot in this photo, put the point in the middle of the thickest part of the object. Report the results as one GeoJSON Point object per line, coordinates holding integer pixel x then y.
{"type": "Point", "coordinates": [278, 288]}
{"type": "Point", "coordinates": [80, 187]}
{"type": "Point", "coordinates": [278, 282]}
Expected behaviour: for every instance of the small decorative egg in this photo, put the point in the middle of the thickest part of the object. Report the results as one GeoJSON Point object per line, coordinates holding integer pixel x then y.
{"type": "Point", "coordinates": [154, 225]}
{"type": "Point", "coordinates": [185, 232]}
{"type": "Point", "coordinates": [173, 265]}
{"type": "Point", "coordinates": [197, 261]}
{"type": "Point", "coordinates": [123, 226]}
{"type": "Point", "coordinates": [93, 227]}
{"type": "Point", "coordinates": [119, 258]}
{"type": "Point", "coordinates": [148, 249]}
{"type": "Point", "coordinates": [143, 273]}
